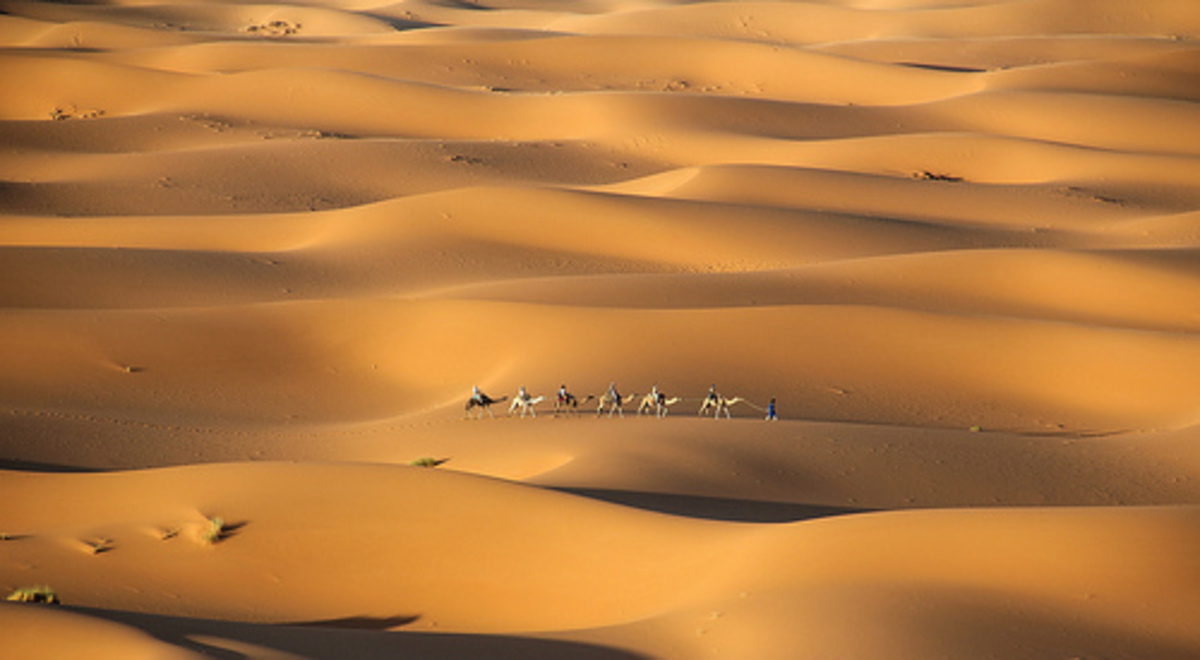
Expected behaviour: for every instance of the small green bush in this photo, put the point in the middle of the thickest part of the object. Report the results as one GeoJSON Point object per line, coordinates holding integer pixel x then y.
{"type": "Point", "coordinates": [427, 461]}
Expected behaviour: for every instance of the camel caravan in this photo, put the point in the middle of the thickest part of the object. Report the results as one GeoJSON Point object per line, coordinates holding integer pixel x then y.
{"type": "Point", "coordinates": [612, 401]}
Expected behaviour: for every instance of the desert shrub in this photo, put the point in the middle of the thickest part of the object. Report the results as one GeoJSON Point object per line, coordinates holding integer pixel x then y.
{"type": "Point", "coordinates": [213, 531]}
{"type": "Point", "coordinates": [38, 594]}
{"type": "Point", "coordinates": [98, 546]}
{"type": "Point", "coordinates": [427, 461]}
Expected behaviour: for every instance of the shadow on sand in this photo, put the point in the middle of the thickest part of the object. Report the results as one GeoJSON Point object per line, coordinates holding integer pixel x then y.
{"type": "Point", "coordinates": [325, 641]}
{"type": "Point", "coordinates": [33, 466]}
{"type": "Point", "coordinates": [714, 508]}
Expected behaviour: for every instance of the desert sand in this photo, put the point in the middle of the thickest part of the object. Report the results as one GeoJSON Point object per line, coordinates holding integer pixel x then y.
{"type": "Point", "coordinates": [254, 257]}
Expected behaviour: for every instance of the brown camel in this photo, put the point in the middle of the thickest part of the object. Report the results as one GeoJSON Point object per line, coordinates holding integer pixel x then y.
{"type": "Point", "coordinates": [561, 404]}
{"type": "Point", "coordinates": [478, 406]}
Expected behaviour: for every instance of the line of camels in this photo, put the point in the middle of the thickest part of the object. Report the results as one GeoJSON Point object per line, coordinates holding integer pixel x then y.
{"type": "Point", "coordinates": [613, 402]}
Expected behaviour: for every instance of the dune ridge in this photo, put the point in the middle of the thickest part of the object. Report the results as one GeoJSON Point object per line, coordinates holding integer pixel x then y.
{"type": "Point", "coordinates": [256, 255]}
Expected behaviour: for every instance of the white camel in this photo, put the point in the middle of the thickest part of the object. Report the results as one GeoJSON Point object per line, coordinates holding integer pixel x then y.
{"type": "Point", "coordinates": [719, 404]}
{"type": "Point", "coordinates": [526, 404]}
{"type": "Point", "coordinates": [614, 404]}
{"type": "Point", "coordinates": [660, 404]}
{"type": "Point", "coordinates": [664, 405]}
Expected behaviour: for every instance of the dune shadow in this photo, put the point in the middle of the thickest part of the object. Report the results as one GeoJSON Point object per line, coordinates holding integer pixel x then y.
{"type": "Point", "coordinates": [714, 508]}
{"type": "Point", "coordinates": [361, 622]}
{"type": "Point", "coordinates": [942, 67]}
{"type": "Point", "coordinates": [321, 642]}
{"type": "Point", "coordinates": [18, 465]}
{"type": "Point", "coordinates": [401, 24]}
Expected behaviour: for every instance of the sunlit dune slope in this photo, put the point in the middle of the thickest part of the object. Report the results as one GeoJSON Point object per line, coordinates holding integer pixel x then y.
{"type": "Point", "coordinates": [658, 577]}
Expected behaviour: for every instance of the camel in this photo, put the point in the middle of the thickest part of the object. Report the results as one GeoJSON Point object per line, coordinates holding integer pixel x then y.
{"type": "Point", "coordinates": [483, 403]}
{"type": "Point", "coordinates": [649, 402]}
{"type": "Point", "coordinates": [614, 406]}
{"type": "Point", "coordinates": [719, 404]}
{"type": "Point", "coordinates": [659, 404]}
{"type": "Point", "coordinates": [526, 404]}
{"type": "Point", "coordinates": [570, 401]}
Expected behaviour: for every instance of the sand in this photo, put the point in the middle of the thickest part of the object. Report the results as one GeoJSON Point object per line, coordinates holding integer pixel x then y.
{"type": "Point", "coordinates": [254, 258]}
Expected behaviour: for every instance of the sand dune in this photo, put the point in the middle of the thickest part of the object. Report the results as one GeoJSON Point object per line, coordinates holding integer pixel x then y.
{"type": "Point", "coordinates": [255, 256]}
